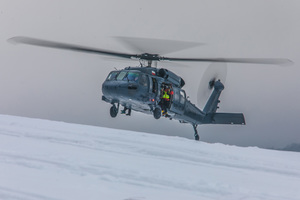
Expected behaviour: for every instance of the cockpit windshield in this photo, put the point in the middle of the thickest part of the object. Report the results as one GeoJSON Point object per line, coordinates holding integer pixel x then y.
{"type": "Point", "coordinates": [124, 76]}
{"type": "Point", "coordinates": [121, 76]}
{"type": "Point", "coordinates": [112, 76]}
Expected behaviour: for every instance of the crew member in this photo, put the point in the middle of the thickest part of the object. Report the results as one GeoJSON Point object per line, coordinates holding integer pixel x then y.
{"type": "Point", "coordinates": [165, 102]}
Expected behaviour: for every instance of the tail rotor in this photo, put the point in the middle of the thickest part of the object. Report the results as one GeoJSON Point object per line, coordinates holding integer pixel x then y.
{"type": "Point", "coordinates": [213, 73]}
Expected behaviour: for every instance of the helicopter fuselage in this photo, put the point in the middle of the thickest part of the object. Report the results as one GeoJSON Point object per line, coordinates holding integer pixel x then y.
{"type": "Point", "coordinates": [141, 88]}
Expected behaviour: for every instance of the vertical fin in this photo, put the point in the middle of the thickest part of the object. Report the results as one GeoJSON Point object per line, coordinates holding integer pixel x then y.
{"type": "Point", "coordinates": [212, 103]}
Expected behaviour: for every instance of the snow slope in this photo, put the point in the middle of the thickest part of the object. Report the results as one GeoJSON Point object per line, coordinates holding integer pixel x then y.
{"type": "Point", "coordinates": [48, 160]}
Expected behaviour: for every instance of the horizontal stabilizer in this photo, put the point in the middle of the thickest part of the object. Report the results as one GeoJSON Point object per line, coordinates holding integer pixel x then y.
{"type": "Point", "coordinates": [225, 118]}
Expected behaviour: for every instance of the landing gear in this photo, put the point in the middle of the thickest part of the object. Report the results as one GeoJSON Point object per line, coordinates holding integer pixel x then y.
{"type": "Point", "coordinates": [114, 110]}
{"type": "Point", "coordinates": [157, 113]}
{"type": "Point", "coordinates": [124, 111]}
{"type": "Point", "coordinates": [196, 132]}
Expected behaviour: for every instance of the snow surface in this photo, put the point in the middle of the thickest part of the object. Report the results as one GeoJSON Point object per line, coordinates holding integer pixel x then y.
{"type": "Point", "coordinates": [42, 159]}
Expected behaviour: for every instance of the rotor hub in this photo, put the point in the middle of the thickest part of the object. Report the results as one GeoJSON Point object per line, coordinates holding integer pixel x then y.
{"type": "Point", "coordinates": [148, 56]}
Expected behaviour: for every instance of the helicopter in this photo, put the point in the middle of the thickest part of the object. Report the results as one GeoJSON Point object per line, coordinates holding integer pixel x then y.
{"type": "Point", "coordinates": [142, 88]}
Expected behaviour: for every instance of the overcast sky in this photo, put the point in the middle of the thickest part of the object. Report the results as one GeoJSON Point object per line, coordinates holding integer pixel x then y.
{"type": "Point", "coordinates": [66, 86]}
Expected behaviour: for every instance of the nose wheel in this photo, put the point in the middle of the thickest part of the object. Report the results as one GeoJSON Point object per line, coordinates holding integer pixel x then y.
{"type": "Point", "coordinates": [114, 110]}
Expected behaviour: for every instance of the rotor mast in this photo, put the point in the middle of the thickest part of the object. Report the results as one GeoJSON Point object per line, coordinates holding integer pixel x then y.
{"type": "Point", "coordinates": [148, 61]}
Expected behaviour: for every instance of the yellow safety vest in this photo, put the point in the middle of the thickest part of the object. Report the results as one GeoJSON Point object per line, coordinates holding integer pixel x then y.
{"type": "Point", "coordinates": [166, 96]}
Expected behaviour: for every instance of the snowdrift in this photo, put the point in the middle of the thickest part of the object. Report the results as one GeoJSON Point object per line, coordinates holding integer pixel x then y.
{"type": "Point", "coordinates": [42, 159]}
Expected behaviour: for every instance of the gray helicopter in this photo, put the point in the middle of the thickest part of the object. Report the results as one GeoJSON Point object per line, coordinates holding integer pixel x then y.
{"type": "Point", "coordinates": [142, 88]}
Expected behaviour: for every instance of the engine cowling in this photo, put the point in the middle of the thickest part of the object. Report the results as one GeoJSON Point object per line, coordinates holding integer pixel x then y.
{"type": "Point", "coordinates": [172, 77]}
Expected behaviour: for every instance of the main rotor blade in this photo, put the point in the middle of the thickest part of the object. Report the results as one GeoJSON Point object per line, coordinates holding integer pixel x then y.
{"type": "Point", "coordinates": [143, 56]}
{"type": "Point", "coordinates": [65, 46]}
{"type": "Point", "coordinates": [270, 61]}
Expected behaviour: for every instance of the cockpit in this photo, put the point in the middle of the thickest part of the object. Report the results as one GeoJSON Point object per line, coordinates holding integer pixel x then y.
{"type": "Point", "coordinates": [128, 84]}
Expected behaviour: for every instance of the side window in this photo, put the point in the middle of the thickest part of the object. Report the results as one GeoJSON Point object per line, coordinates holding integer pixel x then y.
{"type": "Point", "coordinates": [154, 85]}
{"type": "Point", "coordinates": [112, 76]}
{"type": "Point", "coordinates": [150, 83]}
{"type": "Point", "coordinates": [121, 76]}
{"type": "Point", "coordinates": [176, 96]}
{"type": "Point", "coordinates": [182, 97]}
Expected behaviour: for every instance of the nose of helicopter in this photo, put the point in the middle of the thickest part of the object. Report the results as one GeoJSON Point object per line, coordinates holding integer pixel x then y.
{"type": "Point", "coordinates": [119, 90]}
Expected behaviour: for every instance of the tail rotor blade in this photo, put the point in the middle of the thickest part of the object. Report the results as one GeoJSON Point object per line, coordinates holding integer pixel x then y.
{"type": "Point", "coordinates": [214, 72]}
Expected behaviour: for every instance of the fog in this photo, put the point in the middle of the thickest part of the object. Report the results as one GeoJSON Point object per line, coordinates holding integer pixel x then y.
{"type": "Point", "coordinates": [66, 86]}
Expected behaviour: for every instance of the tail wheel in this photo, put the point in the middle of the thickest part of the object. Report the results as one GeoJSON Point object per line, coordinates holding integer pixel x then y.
{"type": "Point", "coordinates": [196, 132]}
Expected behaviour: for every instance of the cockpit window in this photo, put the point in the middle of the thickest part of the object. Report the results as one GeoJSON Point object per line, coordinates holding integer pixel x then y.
{"type": "Point", "coordinates": [132, 76]}
{"type": "Point", "coordinates": [112, 76]}
{"type": "Point", "coordinates": [182, 97]}
{"type": "Point", "coordinates": [121, 76]}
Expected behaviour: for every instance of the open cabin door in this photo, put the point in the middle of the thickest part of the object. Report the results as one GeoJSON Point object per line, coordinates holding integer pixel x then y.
{"type": "Point", "coordinates": [153, 87]}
